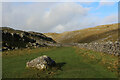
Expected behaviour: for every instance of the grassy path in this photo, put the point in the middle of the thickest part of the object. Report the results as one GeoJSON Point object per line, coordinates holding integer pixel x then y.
{"type": "Point", "coordinates": [72, 65]}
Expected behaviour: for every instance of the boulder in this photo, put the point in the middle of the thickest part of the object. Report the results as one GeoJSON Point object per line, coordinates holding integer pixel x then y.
{"type": "Point", "coordinates": [42, 62]}
{"type": "Point", "coordinates": [5, 48]}
{"type": "Point", "coordinates": [21, 35]}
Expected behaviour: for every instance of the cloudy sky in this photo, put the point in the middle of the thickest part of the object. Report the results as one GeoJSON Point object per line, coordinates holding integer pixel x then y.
{"type": "Point", "coordinates": [58, 16]}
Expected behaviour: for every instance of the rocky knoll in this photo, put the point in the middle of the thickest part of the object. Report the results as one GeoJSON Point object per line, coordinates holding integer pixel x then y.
{"type": "Point", "coordinates": [42, 62]}
{"type": "Point", "coordinates": [15, 39]}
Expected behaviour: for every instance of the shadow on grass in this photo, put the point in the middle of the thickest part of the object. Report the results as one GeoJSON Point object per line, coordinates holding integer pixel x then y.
{"type": "Point", "coordinates": [60, 65]}
{"type": "Point", "coordinates": [46, 73]}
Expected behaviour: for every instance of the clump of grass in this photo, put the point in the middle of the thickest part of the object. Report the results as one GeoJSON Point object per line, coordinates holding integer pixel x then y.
{"type": "Point", "coordinates": [36, 73]}
{"type": "Point", "coordinates": [26, 51]}
{"type": "Point", "coordinates": [110, 62]}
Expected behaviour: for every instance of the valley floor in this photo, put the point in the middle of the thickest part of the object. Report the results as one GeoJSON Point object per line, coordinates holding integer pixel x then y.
{"type": "Point", "coordinates": [73, 63]}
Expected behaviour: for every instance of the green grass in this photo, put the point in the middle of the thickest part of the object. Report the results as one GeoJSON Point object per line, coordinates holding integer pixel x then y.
{"type": "Point", "coordinates": [0, 65]}
{"type": "Point", "coordinates": [71, 62]}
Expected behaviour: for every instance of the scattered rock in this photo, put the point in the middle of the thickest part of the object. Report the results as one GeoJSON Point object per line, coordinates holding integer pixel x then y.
{"type": "Point", "coordinates": [42, 62]}
{"type": "Point", "coordinates": [16, 39]}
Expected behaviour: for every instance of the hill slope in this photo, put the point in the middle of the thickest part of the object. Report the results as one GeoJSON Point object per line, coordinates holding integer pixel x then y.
{"type": "Point", "coordinates": [14, 39]}
{"type": "Point", "coordinates": [100, 33]}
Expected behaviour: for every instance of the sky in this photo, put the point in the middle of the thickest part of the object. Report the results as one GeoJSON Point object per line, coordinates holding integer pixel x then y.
{"type": "Point", "coordinates": [58, 16]}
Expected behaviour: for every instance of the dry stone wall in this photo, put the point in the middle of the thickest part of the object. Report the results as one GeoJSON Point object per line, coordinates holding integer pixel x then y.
{"type": "Point", "coordinates": [108, 47]}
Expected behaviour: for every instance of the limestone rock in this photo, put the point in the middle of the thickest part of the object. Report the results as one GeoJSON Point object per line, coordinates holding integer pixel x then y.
{"type": "Point", "coordinates": [18, 39]}
{"type": "Point", "coordinates": [42, 62]}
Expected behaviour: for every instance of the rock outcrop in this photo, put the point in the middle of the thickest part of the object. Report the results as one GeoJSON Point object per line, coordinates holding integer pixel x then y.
{"type": "Point", "coordinates": [42, 62]}
{"type": "Point", "coordinates": [15, 39]}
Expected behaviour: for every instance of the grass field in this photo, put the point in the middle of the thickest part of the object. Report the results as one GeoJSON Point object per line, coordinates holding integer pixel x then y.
{"type": "Point", "coordinates": [72, 63]}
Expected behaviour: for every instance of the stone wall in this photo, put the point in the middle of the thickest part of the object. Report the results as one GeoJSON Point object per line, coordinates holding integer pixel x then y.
{"type": "Point", "coordinates": [60, 45]}
{"type": "Point", "coordinates": [108, 47]}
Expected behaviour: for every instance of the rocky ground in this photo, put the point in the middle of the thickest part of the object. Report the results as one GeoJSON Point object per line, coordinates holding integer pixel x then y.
{"type": "Point", "coordinates": [15, 39]}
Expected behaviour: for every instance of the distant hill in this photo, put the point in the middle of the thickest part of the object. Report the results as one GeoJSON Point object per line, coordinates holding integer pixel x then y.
{"type": "Point", "coordinates": [15, 39]}
{"type": "Point", "coordinates": [102, 33]}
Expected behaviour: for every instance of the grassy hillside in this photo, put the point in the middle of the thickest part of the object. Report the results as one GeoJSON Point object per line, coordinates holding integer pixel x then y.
{"type": "Point", "coordinates": [100, 33]}
{"type": "Point", "coordinates": [72, 63]}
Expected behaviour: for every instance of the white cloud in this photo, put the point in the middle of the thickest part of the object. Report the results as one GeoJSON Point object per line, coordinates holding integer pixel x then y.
{"type": "Point", "coordinates": [51, 17]}
{"type": "Point", "coordinates": [24, 16]}
{"type": "Point", "coordinates": [110, 19]}
{"type": "Point", "coordinates": [59, 28]}
{"type": "Point", "coordinates": [107, 2]}
{"type": "Point", "coordinates": [0, 14]}
{"type": "Point", "coordinates": [39, 17]}
{"type": "Point", "coordinates": [54, 0]}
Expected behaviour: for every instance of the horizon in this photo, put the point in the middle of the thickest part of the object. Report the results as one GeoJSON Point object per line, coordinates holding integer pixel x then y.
{"type": "Point", "coordinates": [58, 17]}
{"type": "Point", "coordinates": [57, 32]}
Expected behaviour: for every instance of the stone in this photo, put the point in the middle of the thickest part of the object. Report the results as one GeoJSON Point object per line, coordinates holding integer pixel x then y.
{"type": "Point", "coordinates": [108, 47]}
{"type": "Point", "coordinates": [0, 50]}
{"type": "Point", "coordinates": [23, 39]}
{"type": "Point", "coordinates": [21, 35]}
{"type": "Point", "coordinates": [5, 47]}
{"type": "Point", "coordinates": [34, 44]}
{"type": "Point", "coordinates": [16, 47]}
{"type": "Point", "coordinates": [26, 46]}
{"type": "Point", "coordinates": [12, 34]}
{"type": "Point", "coordinates": [42, 62]}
